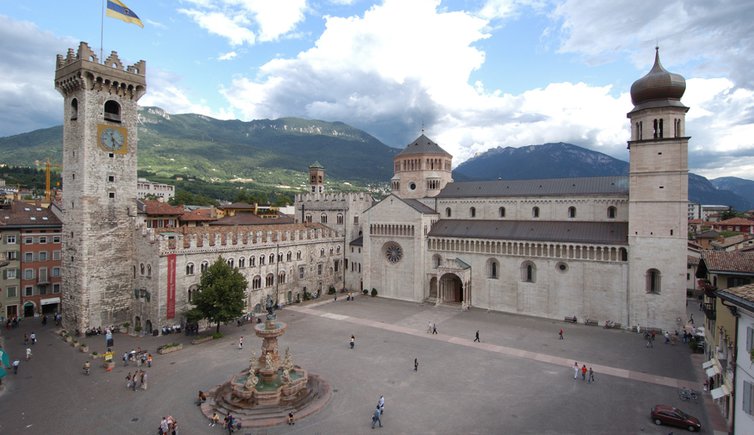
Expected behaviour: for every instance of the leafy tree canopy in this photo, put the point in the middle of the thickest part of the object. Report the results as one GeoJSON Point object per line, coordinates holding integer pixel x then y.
{"type": "Point", "coordinates": [220, 297]}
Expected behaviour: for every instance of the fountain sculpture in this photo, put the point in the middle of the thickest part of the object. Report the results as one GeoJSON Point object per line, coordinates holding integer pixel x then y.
{"type": "Point", "coordinates": [263, 394]}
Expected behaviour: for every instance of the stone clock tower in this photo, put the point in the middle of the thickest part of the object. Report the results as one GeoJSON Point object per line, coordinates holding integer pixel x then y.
{"type": "Point", "coordinates": [99, 185]}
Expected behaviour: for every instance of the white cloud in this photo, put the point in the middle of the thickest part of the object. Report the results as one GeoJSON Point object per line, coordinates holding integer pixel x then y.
{"type": "Point", "coordinates": [164, 92]}
{"type": "Point", "coordinates": [227, 56]}
{"type": "Point", "coordinates": [229, 27]}
{"type": "Point", "coordinates": [275, 18]}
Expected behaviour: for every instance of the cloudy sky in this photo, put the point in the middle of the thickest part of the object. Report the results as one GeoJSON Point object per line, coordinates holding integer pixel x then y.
{"type": "Point", "coordinates": [475, 74]}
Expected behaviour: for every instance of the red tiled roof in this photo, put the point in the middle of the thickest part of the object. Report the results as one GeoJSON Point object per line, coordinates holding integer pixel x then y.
{"type": "Point", "coordinates": [744, 292]}
{"type": "Point", "coordinates": [734, 261]}
{"type": "Point", "coordinates": [735, 221]}
{"type": "Point", "coordinates": [237, 206]}
{"type": "Point", "coordinates": [199, 215]}
{"type": "Point", "coordinates": [157, 208]}
{"type": "Point", "coordinates": [252, 219]}
{"type": "Point", "coordinates": [696, 221]}
{"type": "Point", "coordinates": [24, 214]}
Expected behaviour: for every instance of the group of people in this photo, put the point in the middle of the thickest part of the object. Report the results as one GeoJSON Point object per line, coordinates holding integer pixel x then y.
{"type": "Point", "coordinates": [138, 379]}
{"type": "Point", "coordinates": [378, 412]}
{"type": "Point", "coordinates": [140, 357]}
{"type": "Point", "coordinates": [431, 327]}
{"type": "Point", "coordinates": [586, 374]}
{"type": "Point", "coordinates": [168, 426]}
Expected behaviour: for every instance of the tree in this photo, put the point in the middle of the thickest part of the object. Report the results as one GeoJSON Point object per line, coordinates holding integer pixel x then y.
{"type": "Point", "coordinates": [220, 297]}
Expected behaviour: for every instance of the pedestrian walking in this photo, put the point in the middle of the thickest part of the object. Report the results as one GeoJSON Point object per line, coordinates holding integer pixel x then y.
{"type": "Point", "coordinates": [691, 319]}
{"type": "Point", "coordinates": [416, 365]}
{"type": "Point", "coordinates": [28, 353]}
{"type": "Point", "coordinates": [290, 419]}
{"type": "Point", "coordinates": [33, 338]}
{"type": "Point", "coordinates": [476, 337]}
{"type": "Point", "coordinates": [591, 375]}
{"type": "Point", "coordinates": [240, 342]}
{"type": "Point", "coordinates": [583, 373]}
{"type": "Point", "coordinates": [575, 370]}
{"type": "Point", "coordinates": [125, 359]}
{"type": "Point", "coordinates": [144, 380]}
{"type": "Point", "coordinates": [381, 404]}
{"type": "Point", "coordinates": [149, 360]}
{"type": "Point", "coordinates": [667, 337]}
{"type": "Point", "coordinates": [15, 366]}
{"type": "Point", "coordinates": [353, 341]}
{"type": "Point", "coordinates": [560, 334]}
{"type": "Point", "coordinates": [129, 378]}
{"type": "Point", "coordinates": [434, 328]}
{"type": "Point", "coordinates": [429, 328]}
{"type": "Point", "coordinates": [376, 417]}
{"type": "Point", "coordinates": [164, 426]}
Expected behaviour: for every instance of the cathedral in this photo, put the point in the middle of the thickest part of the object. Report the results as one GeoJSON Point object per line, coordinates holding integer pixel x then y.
{"type": "Point", "coordinates": [599, 249]}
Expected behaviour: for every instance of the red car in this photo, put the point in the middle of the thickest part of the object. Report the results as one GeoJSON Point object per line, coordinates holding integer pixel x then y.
{"type": "Point", "coordinates": [666, 414]}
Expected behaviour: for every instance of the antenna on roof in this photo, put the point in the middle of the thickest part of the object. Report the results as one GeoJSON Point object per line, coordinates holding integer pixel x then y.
{"type": "Point", "coordinates": [422, 126]}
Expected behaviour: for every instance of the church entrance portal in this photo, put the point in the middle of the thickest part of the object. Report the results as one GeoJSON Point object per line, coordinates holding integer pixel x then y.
{"type": "Point", "coordinates": [451, 288]}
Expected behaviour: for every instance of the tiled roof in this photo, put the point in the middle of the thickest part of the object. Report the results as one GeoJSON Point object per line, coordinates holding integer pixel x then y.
{"type": "Point", "coordinates": [690, 259]}
{"type": "Point", "coordinates": [237, 206]}
{"type": "Point", "coordinates": [730, 262]}
{"type": "Point", "coordinates": [419, 206]}
{"type": "Point", "coordinates": [423, 145]}
{"type": "Point", "coordinates": [252, 219]}
{"type": "Point", "coordinates": [735, 221]}
{"type": "Point", "coordinates": [199, 215]}
{"type": "Point", "coordinates": [742, 295]}
{"type": "Point", "coordinates": [696, 221]}
{"type": "Point", "coordinates": [156, 208]}
{"type": "Point", "coordinates": [708, 235]}
{"type": "Point", "coordinates": [612, 186]}
{"type": "Point", "coordinates": [611, 233]}
{"type": "Point", "coordinates": [20, 214]}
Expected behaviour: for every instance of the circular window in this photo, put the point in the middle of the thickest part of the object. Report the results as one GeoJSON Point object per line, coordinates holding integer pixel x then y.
{"type": "Point", "coordinates": [393, 252]}
{"type": "Point", "coordinates": [412, 186]}
{"type": "Point", "coordinates": [562, 267]}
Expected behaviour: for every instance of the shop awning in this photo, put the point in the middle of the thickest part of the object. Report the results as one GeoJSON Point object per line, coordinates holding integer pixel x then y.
{"type": "Point", "coordinates": [49, 301]}
{"type": "Point", "coordinates": [712, 371]}
{"type": "Point", "coordinates": [708, 364]}
{"type": "Point", "coordinates": [720, 392]}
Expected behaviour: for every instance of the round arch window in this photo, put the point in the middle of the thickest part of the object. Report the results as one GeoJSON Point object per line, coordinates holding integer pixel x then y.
{"type": "Point", "coordinates": [562, 267]}
{"type": "Point", "coordinates": [412, 186]}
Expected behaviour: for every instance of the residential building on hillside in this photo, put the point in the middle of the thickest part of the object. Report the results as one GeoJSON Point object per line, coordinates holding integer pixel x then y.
{"type": "Point", "coordinates": [146, 189]}
{"type": "Point", "coordinates": [737, 224]}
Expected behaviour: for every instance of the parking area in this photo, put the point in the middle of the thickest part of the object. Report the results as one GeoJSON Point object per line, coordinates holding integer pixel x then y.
{"type": "Point", "coordinates": [519, 379]}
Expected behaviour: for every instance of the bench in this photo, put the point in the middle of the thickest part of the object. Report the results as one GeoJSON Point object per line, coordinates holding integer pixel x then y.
{"type": "Point", "coordinates": [570, 319]}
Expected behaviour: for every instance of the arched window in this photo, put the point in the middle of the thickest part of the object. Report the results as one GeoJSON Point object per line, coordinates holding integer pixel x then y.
{"type": "Point", "coordinates": [261, 260]}
{"type": "Point", "coordinates": [653, 281]}
{"type": "Point", "coordinates": [339, 219]}
{"type": "Point", "coordinates": [269, 280]}
{"type": "Point", "coordinates": [288, 256]}
{"type": "Point", "coordinates": [281, 278]}
{"type": "Point", "coordinates": [204, 266]}
{"type": "Point", "coordinates": [308, 218]}
{"type": "Point", "coordinates": [190, 269]}
{"type": "Point", "coordinates": [192, 292]}
{"type": "Point", "coordinates": [322, 252]}
{"type": "Point", "coordinates": [501, 212]}
{"type": "Point", "coordinates": [272, 258]}
{"type": "Point", "coordinates": [623, 254]}
{"type": "Point", "coordinates": [571, 212]}
{"type": "Point", "coordinates": [252, 261]}
{"type": "Point", "coordinates": [112, 111]}
{"type": "Point", "coordinates": [611, 212]}
{"type": "Point", "coordinates": [241, 263]}
{"type": "Point", "coordinates": [323, 218]}
{"type": "Point", "coordinates": [472, 212]}
{"type": "Point", "coordinates": [436, 260]}
{"type": "Point", "coordinates": [298, 255]}
{"type": "Point", "coordinates": [141, 269]}
{"type": "Point", "coordinates": [74, 109]}
{"type": "Point", "coordinates": [231, 262]}
{"type": "Point", "coordinates": [528, 272]}
{"type": "Point", "coordinates": [134, 271]}
{"type": "Point", "coordinates": [535, 212]}
{"type": "Point", "coordinates": [256, 283]}
{"type": "Point", "coordinates": [149, 270]}
{"type": "Point", "coordinates": [492, 268]}
{"type": "Point", "coordinates": [447, 212]}
{"type": "Point", "coordinates": [280, 257]}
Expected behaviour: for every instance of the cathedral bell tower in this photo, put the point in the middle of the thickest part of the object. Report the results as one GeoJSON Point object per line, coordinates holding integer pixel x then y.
{"type": "Point", "coordinates": [317, 178]}
{"type": "Point", "coordinates": [99, 185]}
{"type": "Point", "coordinates": [658, 199]}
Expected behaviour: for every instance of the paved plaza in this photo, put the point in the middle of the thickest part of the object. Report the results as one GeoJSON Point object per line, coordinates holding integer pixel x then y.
{"type": "Point", "coordinates": [518, 380]}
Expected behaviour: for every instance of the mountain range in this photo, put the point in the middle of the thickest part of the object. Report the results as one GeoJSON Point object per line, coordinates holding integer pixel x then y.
{"type": "Point", "coordinates": [278, 152]}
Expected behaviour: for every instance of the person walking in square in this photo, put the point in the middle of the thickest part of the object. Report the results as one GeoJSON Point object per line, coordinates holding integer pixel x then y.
{"type": "Point", "coordinates": [476, 337]}
{"type": "Point", "coordinates": [353, 341]}
{"type": "Point", "coordinates": [416, 364]}
{"type": "Point", "coordinates": [575, 370]}
{"type": "Point", "coordinates": [376, 417]}
{"type": "Point", "coordinates": [429, 327]}
{"type": "Point", "coordinates": [144, 380]}
{"type": "Point", "coordinates": [434, 328]}
{"type": "Point", "coordinates": [591, 375]}
{"type": "Point", "coordinates": [240, 342]}
{"type": "Point", "coordinates": [583, 373]}
{"type": "Point", "coordinates": [560, 334]}
{"type": "Point", "coordinates": [33, 338]}
{"type": "Point", "coordinates": [28, 353]}
{"type": "Point", "coordinates": [381, 404]}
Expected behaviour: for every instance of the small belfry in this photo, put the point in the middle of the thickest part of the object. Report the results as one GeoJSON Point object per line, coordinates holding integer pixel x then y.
{"type": "Point", "coordinates": [421, 169]}
{"type": "Point", "coordinates": [99, 184]}
{"type": "Point", "coordinates": [317, 178]}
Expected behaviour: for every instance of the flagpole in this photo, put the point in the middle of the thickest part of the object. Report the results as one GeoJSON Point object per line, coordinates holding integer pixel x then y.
{"type": "Point", "coordinates": [102, 30]}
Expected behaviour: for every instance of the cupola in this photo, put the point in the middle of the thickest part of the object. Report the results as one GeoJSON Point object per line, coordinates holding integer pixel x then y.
{"type": "Point", "coordinates": [658, 88]}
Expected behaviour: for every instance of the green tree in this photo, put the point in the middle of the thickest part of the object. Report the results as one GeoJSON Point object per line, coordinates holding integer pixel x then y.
{"type": "Point", "coordinates": [221, 293]}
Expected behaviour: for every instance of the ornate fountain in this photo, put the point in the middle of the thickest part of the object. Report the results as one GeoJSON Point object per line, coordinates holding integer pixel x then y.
{"type": "Point", "coordinates": [264, 393]}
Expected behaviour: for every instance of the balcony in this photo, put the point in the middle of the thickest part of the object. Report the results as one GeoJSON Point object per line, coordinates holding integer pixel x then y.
{"type": "Point", "coordinates": [709, 311]}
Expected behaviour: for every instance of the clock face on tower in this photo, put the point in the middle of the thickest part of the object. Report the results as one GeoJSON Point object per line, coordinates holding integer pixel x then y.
{"type": "Point", "coordinates": [112, 139]}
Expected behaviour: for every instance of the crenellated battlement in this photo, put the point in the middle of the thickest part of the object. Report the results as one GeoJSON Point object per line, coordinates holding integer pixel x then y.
{"type": "Point", "coordinates": [82, 70]}
{"type": "Point", "coordinates": [334, 197]}
{"type": "Point", "coordinates": [209, 239]}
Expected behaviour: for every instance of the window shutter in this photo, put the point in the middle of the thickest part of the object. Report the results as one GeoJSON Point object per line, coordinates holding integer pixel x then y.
{"type": "Point", "coordinates": [748, 389]}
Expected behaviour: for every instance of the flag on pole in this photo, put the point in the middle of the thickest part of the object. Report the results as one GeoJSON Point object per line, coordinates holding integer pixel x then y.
{"type": "Point", "coordinates": [116, 9]}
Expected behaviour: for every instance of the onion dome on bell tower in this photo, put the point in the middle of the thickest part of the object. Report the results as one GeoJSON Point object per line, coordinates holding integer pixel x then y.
{"type": "Point", "coordinates": [658, 88]}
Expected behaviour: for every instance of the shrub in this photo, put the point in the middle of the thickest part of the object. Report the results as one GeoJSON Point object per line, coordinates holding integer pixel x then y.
{"type": "Point", "coordinates": [365, 291]}
{"type": "Point", "coordinates": [374, 292]}
{"type": "Point", "coordinates": [137, 328]}
{"type": "Point", "coordinates": [307, 296]}
{"type": "Point", "coordinates": [217, 335]}
{"type": "Point", "coordinates": [331, 290]}
{"type": "Point", "coordinates": [126, 325]}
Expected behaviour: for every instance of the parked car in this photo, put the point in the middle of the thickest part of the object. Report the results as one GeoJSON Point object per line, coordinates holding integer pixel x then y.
{"type": "Point", "coordinates": [666, 414]}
